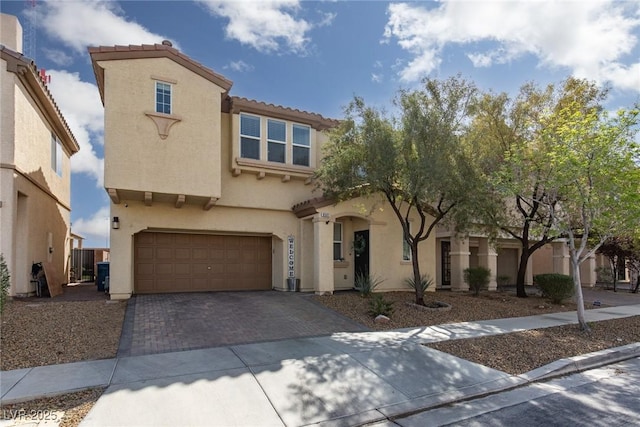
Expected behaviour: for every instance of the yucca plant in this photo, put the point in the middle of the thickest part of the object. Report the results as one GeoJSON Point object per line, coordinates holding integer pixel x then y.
{"type": "Point", "coordinates": [366, 284]}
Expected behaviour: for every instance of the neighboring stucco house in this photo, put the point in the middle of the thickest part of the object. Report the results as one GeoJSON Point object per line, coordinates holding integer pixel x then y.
{"type": "Point", "coordinates": [213, 192]}
{"type": "Point", "coordinates": [35, 177]}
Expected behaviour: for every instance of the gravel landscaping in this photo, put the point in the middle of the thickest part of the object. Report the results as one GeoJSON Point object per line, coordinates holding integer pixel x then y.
{"type": "Point", "coordinates": [38, 332]}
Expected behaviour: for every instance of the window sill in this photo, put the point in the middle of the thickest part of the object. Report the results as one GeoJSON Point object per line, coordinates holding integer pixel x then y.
{"type": "Point", "coordinates": [262, 168]}
{"type": "Point", "coordinates": [340, 264]}
{"type": "Point", "coordinates": [404, 262]}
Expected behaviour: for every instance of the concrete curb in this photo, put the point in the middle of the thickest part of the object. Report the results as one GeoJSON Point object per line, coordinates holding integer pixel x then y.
{"type": "Point", "coordinates": [559, 368]}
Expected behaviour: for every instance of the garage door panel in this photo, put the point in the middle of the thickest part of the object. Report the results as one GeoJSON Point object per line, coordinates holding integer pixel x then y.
{"type": "Point", "coordinates": [164, 239]}
{"type": "Point", "coordinates": [182, 269]}
{"type": "Point", "coordinates": [182, 262]}
{"type": "Point", "coordinates": [164, 269]}
{"type": "Point", "coordinates": [200, 253]}
{"type": "Point", "coordinates": [164, 253]}
{"type": "Point", "coordinates": [182, 253]}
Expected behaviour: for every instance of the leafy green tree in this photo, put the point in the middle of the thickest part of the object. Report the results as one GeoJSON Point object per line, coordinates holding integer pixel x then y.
{"type": "Point", "coordinates": [616, 249]}
{"type": "Point", "coordinates": [511, 159]}
{"type": "Point", "coordinates": [416, 161]}
{"type": "Point", "coordinates": [595, 174]}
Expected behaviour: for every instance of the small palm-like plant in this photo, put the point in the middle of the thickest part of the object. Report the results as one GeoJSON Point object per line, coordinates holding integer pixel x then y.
{"type": "Point", "coordinates": [378, 305]}
{"type": "Point", "coordinates": [366, 284]}
{"type": "Point", "coordinates": [424, 283]}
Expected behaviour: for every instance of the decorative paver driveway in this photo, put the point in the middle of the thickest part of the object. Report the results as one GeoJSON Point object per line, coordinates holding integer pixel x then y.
{"type": "Point", "coordinates": [186, 321]}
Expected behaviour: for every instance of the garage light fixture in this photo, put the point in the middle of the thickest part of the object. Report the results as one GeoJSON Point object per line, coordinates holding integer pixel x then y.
{"type": "Point", "coordinates": [116, 223]}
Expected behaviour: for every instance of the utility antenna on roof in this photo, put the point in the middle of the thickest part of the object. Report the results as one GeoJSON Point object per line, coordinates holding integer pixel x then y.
{"type": "Point", "coordinates": [29, 48]}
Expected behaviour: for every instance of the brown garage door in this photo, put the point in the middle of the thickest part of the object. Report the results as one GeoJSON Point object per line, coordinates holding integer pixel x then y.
{"type": "Point", "coordinates": [177, 262]}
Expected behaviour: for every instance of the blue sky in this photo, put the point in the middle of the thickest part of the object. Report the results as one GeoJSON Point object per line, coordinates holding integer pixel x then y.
{"type": "Point", "coordinates": [316, 55]}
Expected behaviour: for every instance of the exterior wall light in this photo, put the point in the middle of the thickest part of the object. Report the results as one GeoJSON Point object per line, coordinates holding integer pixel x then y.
{"type": "Point", "coordinates": [116, 223]}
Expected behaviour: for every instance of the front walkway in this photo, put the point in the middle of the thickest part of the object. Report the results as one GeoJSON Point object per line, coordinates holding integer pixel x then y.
{"type": "Point", "coordinates": [341, 379]}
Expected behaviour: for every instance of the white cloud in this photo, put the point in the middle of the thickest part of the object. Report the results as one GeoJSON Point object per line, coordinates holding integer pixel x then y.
{"type": "Point", "coordinates": [376, 78]}
{"type": "Point", "coordinates": [79, 24]}
{"type": "Point", "coordinates": [267, 26]}
{"type": "Point", "coordinates": [80, 105]}
{"type": "Point", "coordinates": [95, 227]}
{"type": "Point", "coordinates": [589, 38]}
{"type": "Point", "coordinates": [239, 66]}
{"type": "Point", "coordinates": [58, 57]}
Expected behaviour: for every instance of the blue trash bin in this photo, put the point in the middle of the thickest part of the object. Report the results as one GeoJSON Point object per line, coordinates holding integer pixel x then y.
{"type": "Point", "coordinates": [103, 273]}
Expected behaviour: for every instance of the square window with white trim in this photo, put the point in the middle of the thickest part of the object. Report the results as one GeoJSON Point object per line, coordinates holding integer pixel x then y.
{"type": "Point", "coordinates": [337, 241]}
{"type": "Point", "coordinates": [301, 145]}
{"type": "Point", "coordinates": [249, 137]}
{"type": "Point", "coordinates": [276, 141]}
{"type": "Point", "coordinates": [56, 154]}
{"type": "Point", "coordinates": [163, 98]}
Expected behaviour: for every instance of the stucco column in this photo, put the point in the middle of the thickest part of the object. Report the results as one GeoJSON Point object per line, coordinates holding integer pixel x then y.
{"type": "Point", "coordinates": [588, 272]}
{"type": "Point", "coordinates": [488, 258]}
{"type": "Point", "coordinates": [323, 255]}
{"type": "Point", "coordinates": [561, 258]}
{"type": "Point", "coordinates": [459, 262]}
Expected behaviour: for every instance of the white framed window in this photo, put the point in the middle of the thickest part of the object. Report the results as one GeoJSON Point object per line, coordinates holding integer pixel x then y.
{"type": "Point", "coordinates": [406, 249]}
{"type": "Point", "coordinates": [276, 141]}
{"type": "Point", "coordinates": [163, 98]}
{"type": "Point", "coordinates": [249, 137]}
{"type": "Point", "coordinates": [56, 154]}
{"type": "Point", "coordinates": [337, 241]}
{"type": "Point", "coordinates": [301, 145]}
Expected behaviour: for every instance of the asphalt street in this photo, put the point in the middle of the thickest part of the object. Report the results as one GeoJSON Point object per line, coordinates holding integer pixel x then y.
{"type": "Point", "coordinates": [607, 396]}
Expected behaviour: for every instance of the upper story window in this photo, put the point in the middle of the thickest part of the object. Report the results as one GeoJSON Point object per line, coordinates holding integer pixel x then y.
{"type": "Point", "coordinates": [337, 241]}
{"type": "Point", "coordinates": [56, 154]}
{"type": "Point", "coordinates": [301, 145]}
{"type": "Point", "coordinates": [276, 141]}
{"type": "Point", "coordinates": [249, 137]}
{"type": "Point", "coordinates": [163, 98]}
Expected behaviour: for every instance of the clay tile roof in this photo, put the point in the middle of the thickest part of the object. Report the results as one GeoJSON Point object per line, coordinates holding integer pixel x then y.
{"type": "Point", "coordinates": [27, 70]}
{"type": "Point", "coordinates": [165, 50]}
{"type": "Point", "coordinates": [237, 104]}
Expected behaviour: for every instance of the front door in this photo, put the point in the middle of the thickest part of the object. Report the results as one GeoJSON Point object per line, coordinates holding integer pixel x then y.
{"type": "Point", "coordinates": [361, 252]}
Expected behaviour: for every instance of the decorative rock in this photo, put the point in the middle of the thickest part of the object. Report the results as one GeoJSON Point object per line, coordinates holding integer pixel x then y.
{"type": "Point", "coordinates": [381, 319]}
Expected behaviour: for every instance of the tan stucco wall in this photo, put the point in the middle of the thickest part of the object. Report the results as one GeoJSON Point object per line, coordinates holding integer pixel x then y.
{"type": "Point", "coordinates": [35, 200]}
{"type": "Point", "coordinates": [136, 157]}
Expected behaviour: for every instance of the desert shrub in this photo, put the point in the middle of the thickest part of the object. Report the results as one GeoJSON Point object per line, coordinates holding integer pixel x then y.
{"type": "Point", "coordinates": [378, 305]}
{"type": "Point", "coordinates": [477, 278]}
{"type": "Point", "coordinates": [366, 284]}
{"type": "Point", "coordinates": [4, 282]}
{"type": "Point", "coordinates": [556, 287]}
{"type": "Point", "coordinates": [503, 280]}
{"type": "Point", "coordinates": [425, 282]}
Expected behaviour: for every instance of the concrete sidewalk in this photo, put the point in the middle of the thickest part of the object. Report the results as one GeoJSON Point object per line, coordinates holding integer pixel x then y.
{"type": "Point", "coordinates": [342, 379]}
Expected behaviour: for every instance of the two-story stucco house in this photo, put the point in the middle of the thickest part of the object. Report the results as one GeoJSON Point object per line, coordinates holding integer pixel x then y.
{"type": "Point", "coordinates": [213, 192]}
{"type": "Point", "coordinates": [35, 178]}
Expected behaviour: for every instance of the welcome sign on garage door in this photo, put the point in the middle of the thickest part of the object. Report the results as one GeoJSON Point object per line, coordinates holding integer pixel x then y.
{"type": "Point", "coordinates": [291, 246]}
